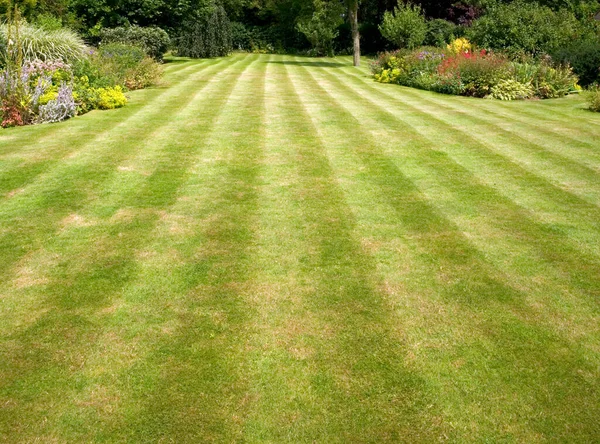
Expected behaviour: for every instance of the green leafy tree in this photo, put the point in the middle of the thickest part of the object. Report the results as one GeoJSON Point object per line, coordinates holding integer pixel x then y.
{"type": "Point", "coordinates": [207, 33]}
{"type": "Point", "coordinates": [524, 28]}
{"type": "Point", "coordinates": [321, 28]}
{"type": "Point", "coordinates": [405, 27]}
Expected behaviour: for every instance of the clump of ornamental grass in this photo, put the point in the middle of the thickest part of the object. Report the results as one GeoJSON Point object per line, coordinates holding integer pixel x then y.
{"type": "Point", "coordinates": [41, 44]}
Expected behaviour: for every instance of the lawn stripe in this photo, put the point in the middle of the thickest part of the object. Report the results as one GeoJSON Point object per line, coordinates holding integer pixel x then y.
{"type": "Point", "coordinates": [360, 353]}
{"type": "Point", "coordinates": [25, 161]}
{"type": "Point", "coordinates": [84, 287]}
{"type": "Point", "coordinates": [571, 258]}
{"type": "Point", "coordinates": [507, 232]}
{"type": "Point", "coordinates": [555, 162]}
{"type": "Point", "coordinates": [33, 215]}
{"type": "Point", "coordinates": [454, 140]}
{"type": "Point", "coordinates": [449, 249]}
{"type": "Point", "coordinates": [527, 131]}
{"type": "Point", "coordinates": [204, 348]}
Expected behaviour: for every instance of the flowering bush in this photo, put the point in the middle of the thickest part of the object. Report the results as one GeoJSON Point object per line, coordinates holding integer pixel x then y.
{"type": "Point", "coordinates": [460, 45]}
{"type": "Point", "coordinates": [26, 89]}
{"type": "Point", "coordinates": [461, 70]}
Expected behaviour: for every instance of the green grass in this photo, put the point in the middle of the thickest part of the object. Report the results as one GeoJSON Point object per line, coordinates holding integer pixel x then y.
{"type": "Point", "coordinates": [278, 249]}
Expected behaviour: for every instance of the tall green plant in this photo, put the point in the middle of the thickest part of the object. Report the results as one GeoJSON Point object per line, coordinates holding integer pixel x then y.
{"type": "Point", "coordinates": [207, 34]}
{"type": "Point", "coordinates": [405, 27]}
{"type": "Point", "coordinates": [524, 28]}
{"type": "Point", "coordinates": [322, 27]}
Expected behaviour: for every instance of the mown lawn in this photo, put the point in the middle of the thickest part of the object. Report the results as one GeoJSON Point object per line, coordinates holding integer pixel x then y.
{"type": "Point", "coordinates": [278, 249]}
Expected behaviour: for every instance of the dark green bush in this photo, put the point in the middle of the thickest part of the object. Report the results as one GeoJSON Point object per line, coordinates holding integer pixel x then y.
{"type": "Point", "coordinates": [240, 37]}
{"type": "Point", "coordinates": [524, 28]}
{"type": "Point", "coordinates": [440, 32]}
{"type": "Point", "coordinates": [583, 56]}
{"type": "Point", "coordinates": [208, 34]}
{"type": "Point", "coordinates": [153, 40]}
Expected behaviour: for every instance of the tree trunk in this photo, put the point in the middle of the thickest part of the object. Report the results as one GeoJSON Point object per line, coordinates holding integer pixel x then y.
{"type": "Point", "coordinates": [353, 13]}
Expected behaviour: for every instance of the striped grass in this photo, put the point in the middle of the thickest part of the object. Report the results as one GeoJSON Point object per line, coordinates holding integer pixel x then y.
{"type": "Point", "coordinates": [277, 249]}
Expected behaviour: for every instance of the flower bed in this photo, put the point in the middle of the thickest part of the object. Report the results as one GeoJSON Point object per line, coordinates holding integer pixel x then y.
{"type": "Point", "coordinates": [462, 70]}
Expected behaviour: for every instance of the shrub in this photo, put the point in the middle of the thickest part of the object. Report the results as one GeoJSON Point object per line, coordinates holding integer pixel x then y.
{"type": "Point", "coordinates": [584, 57]}
{"type": "Point", "coordinates": [152, 39]}
{"type": "Point", "coordinates": [440, 32]}
{"type": "Point", "coordinates": [117, 64]}
{"type": "Point", "coordinates": [144, 74]}
{"type": "Point", "coordinates": [459, 45]}
{"type": "Point", "coordinates": [552, 82]}
{"type": "Point", "coordinates": [405, 27]}
{"type": "Point", "coordinates": [478, 71]}
{"type": "Point", "coordinates": [523, 28]}
{"type": "Point", "coordinates": [474, 73]}
{"type": "Point", "coordinates": [240, 37]}
{"type": "Point", "coordinates": [206, 34]}
{"type": "Point", "coordinates": [593, 99]}
{"type": "Point", "coordinates": [111, 98]}
{"type": "Point", "coordinates": [509, 89]}
{"type": "Point", "coordinates": [25, 90]}
{"type": "Point", "coordinates": [41, 44]}
{"type": "Point", "coordinates": [60, 108]}
{"type": "Point", "coordinates": [322, 27]}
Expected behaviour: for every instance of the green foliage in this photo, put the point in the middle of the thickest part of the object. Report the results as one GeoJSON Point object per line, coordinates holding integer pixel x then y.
{"type": "Point", "coordinates": [524, 28]}
{"type": "Point", "coordinates": [477, 71]}
{"type": "Point", "coordinates": [440, 32]}
{"type": "Point", "coordinates": [48, 22]}
{"type": "Point", "coordinates": [153, 40]}
{"type": "Point", "coordinates": [584, 57]}
{"type": "Point", "coordinates": [405, 27]}
{"type": "Point", "coordinates": [593, 99]}
{"type": "Point", "coordinates": [240, 37]}
{"type": "Point", "coordinates": [322, 27]}
{"type": "Point", "coordinates": [117, 64]}
{"type": "Point", "coordinates": [89, 97]}
{"type": "Point", "coordinates": [474, 73]}
{"type": "Point", "coordinates": [510, 89]}
{"type": "Point", "coordinates": [39, 43]}
{"type": "Point", "coordinates": [206, 34]}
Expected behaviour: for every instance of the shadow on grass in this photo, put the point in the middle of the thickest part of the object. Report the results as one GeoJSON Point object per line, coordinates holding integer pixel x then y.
{"type": "Point", "coordinates": [313, 63]}
{"type": "Point", "coordinates": [171, 60]}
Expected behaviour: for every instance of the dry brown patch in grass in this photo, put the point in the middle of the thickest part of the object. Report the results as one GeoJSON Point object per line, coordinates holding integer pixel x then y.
{"type": "Point", "coordinates": [100, 398]}
{"type": "Point", "coordinates": [76, 221]}
{"type": "Point", "coordinates": [178, 224]}
{"type": "Point", "coordinates": [30, 270]}
{"type": "Point", "coordinates": [14, 192]}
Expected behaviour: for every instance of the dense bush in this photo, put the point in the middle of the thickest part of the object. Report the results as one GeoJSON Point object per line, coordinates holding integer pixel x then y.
{"type": "Point", "coordinates": [322, 27]}
{"type": "Point", "coordinates": [475, 73]}
{"type": "Point", "coordinates": [117, 64]}
{"type": "Point", "coordinates": [207, 34]}
{"type": "Point", "coordinates": [523, 28]}
{"type": "Point", "coordinates": [440, 32]}
{"type": "Point", "coordinates": [593, 98]}
{"type": "Point", "coordinates": [405, 27]}
{"type": "Point", "coordinates": [584, 57]}
{"type": "Point", "coordinates": [153, 40]}
{"type": "Point", "coordinates": [478, 71]}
